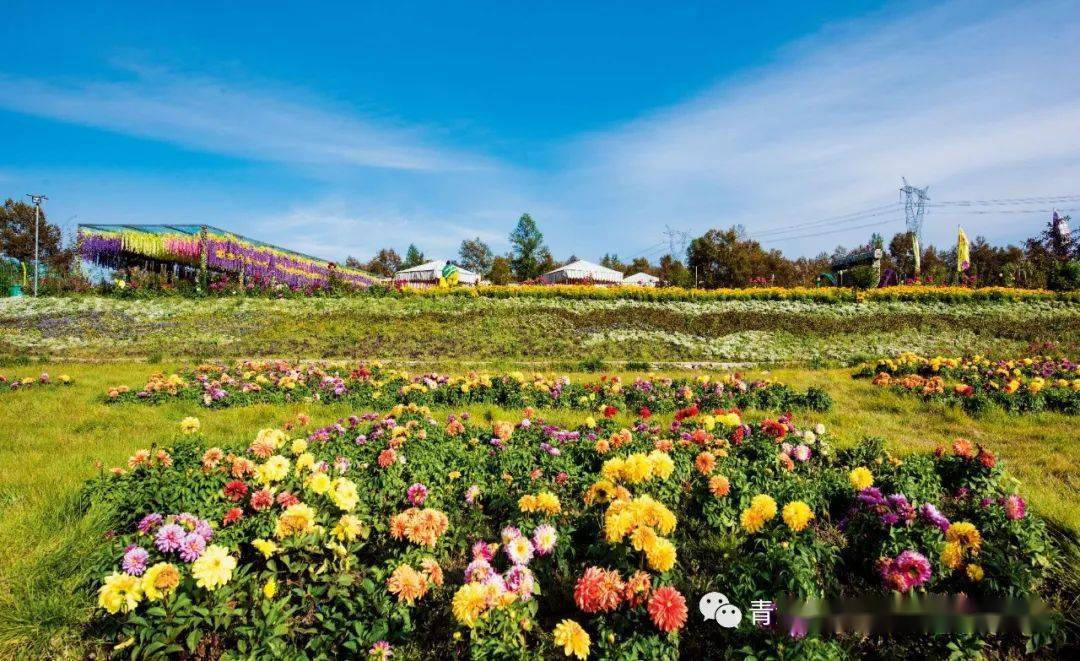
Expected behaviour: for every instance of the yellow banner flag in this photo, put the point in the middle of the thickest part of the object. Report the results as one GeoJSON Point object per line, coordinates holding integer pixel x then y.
{"type": "Point", "coordinates": [963, 252]}
{"type": "Point", "coordinates": [917, 251]}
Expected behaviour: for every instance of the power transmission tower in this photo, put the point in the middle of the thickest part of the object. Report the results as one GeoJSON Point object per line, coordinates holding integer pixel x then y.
{"type": "Point", "coordinates": [682, 237]}
{"type": "Point", "coordinates": [915, 200]}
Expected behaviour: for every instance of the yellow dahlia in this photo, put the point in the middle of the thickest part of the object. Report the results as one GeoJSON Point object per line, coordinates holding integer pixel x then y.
{"type": "Point", "coordinates": [573, 639]}
{"type": "Point", "coordinates": [120, 593]}
{"type": "Point", "coordinates": [797, 515]}
{"type": "Point", "coordinates": [213, 568]}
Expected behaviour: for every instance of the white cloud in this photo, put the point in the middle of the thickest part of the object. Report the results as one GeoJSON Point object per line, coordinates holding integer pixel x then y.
{"type": "Point", "coordinates": [334, 228]}
{"type": "Point", "coordinates": [978, 105]}
{"type": "Point", "coordinates": [234, 118]}
{"type": "Point", "coordinates": [979, 101]}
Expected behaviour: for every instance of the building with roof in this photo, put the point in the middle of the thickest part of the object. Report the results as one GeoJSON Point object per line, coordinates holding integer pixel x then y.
{"type": "Point", "coordinates": [429, 274]}
{"type": "Point", "coordinates": [642, 280]}
{"type": "Point", "coordinates": [583, 272]}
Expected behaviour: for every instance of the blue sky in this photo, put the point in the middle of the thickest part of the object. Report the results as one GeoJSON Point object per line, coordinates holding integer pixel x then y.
{"type": "Point", "coordinates": [339, 130]}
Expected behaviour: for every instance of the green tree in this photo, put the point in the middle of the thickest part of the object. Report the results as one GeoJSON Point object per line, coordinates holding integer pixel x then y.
{"type": "Point", "coordinates": [613, 262]}
{"type": "Point", "coordinates": [17, 237]}
{"type": "Point", "coordinates": [901, 254]}
{"type": "Point", "coordinates": [385, 263]}
{"type": "Point", "coordinates": [673, 273]}
{"type": "Point", "coordinates": [413, 257]}
{"type": "Point", "coordinates": [640, 265]}
{"type": "Point", "coordinates": [500, 273]}
{"type": "Point", "coordinates": [722, 258]}
{"type": "Point", "coordinates": [527, 255]}
{"type": "Point", "coordinates": [475, 255]}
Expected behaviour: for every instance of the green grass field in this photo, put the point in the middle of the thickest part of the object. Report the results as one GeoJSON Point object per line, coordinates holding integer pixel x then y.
{"type": "Point", "coordinates": [54, 438]}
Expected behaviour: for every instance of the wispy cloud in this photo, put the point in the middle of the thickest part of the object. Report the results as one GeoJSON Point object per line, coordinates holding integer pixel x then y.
{"type": "Point", "coordinates": [977, 104]}
{"type": "Point", "coordinates": [977, 100]}
{"type": "Point", "coordinates": [337, 228]}
{"type": "Point", "coordinates": [235, 118]}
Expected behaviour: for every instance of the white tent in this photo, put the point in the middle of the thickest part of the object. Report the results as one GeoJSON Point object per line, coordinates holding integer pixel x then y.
{"type": "Point", "coordinates": [642, 279]}
{"type": "Point", "coordinates": [429, 273]}
{"type": "Point", "coordinates": [583, 271]}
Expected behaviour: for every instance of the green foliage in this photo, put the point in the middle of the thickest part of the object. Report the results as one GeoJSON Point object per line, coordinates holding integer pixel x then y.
{"type": "Point", "coordinates": [1064, 276]}
{"type": "Point", "coordinates": [527, 249]}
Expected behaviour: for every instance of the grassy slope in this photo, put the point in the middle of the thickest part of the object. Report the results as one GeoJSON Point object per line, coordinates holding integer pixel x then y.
{"type": "Point", "coordinates": [52, 437]}
{"type": "Point", "coordinates": [522, 329]}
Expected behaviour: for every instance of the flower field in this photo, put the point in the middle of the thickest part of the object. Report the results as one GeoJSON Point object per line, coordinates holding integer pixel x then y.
{"type": "Point", "coordinates": [1019, 385]}
{"type": "Point", "coordinates": [412, 532]}
{"type": "Point", "coordinates": [250, 382]}
{"type": "Point", "coordinates": [450, 328]}
{"type": "Point", "coordinates": [43, 380]}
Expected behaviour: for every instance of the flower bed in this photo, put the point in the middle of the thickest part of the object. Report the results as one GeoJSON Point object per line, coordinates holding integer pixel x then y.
{"type": "Point", "coordinates": [1020, 385]}
{"type": "Point", "coordinates": [447, 537]}
{"type": "Point", "coordinates": [42, 380]}
{"type": "Point", "coordinates": [278, 381]}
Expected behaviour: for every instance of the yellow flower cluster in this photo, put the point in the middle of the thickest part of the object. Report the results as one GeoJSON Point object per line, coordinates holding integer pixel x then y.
{"type": "Point", "coordinates": [297, 519]}
{"type": "Point", "coordinates": [640, 519]}
{"type": "Point", "coordinates": [473, 600]}
{"type": "Point", "coordinates": [213, 568]}
{"type": "Point", "coordinates": [962, 540]}
{"type": "Point", "coordinates": [343, 494]}
{"type": "Point", "coordinates": [604, 491]}
{"type": "Point", "coordinates": [267, 442]}
{"type": "Point", "coordinates": [860, 478]}
{"type": "Point", "coordinates": [572, 638]}
{"type": "Point", "coordinates": [762, 508]}
{"type": "Point", "coordinates": [275, 469]}
{"type": "Point", "coordinates": [348, 528]}
{"type": "Point", "coordinates": [544, 502]}
{"type": "Point", "coordinates": [639, 467]}
{"type": "Point", "coordinates": [797, 515]}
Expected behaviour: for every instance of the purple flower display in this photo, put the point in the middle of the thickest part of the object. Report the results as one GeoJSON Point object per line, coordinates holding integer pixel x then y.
{"type": "Point", "coordinates": [115, 247]}
{"type": "Point", "coordinates": [931, 514]}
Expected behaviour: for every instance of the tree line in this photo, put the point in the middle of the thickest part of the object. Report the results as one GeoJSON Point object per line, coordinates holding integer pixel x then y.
{"type": "Point", "coordinates": [717, 258]}
{"type": "Point", "coordinates": [730, 258]}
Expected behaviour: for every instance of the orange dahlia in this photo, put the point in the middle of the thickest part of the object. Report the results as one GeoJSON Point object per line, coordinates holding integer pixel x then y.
{"type": "Point", "coordinates": [705, 462]}
{"type": "Point", "coordinates": [598, 590]}
{"type": "Point", "coordinates": [719, 486]}
{"type": "Point", "coordinates": [637, 589]}
{"type": "Point", "coordinates": [408, 584]}
{"type": "Point", "coordinates": [667, 609]}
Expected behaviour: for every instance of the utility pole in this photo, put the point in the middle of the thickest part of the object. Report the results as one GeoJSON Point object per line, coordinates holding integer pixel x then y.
{"type": "Point", "coordinates": [36, 199]}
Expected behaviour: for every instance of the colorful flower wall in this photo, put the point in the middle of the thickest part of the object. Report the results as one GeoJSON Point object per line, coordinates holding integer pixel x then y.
{"type": "Point", "coordinates": [117, 246]}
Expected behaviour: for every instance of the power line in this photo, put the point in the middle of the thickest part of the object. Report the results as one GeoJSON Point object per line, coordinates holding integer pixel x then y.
{"type": "Point", "coordinates": [992, 212]}
{"type": "Point", "coordinates": [1048, 199]}
{"type": "Point", "coordinates": [836, 231]}
{"type": "Point", "coordinates": [649, 249]}
{"type": "Point", "coordinates": [832, 220]}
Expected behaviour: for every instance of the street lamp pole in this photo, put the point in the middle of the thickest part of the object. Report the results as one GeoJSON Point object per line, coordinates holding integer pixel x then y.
{"type": "Point", "coordinates": [37, 219]}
